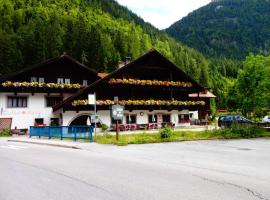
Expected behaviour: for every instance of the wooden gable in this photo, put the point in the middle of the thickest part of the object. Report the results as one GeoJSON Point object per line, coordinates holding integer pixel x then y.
{"type": "Point", "coordinates": [63, 66]}
{"type": "Point", "coordinates": [151, 67]}
{"type": "Point", "coordinates": [154, 66]}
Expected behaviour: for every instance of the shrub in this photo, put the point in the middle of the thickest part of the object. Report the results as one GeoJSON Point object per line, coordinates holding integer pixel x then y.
{"type": "Point", "coordinates": [166, 132]}
{"type": "Point", "coordinates": [104, 127]}
{"type": "Point", "coordinates": [241, 131]}
{"type": "Point", "coordinates": [4, 133]}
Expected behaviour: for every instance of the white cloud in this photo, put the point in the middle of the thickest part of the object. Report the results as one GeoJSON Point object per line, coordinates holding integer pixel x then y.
{"type": "Point", "coordinates": [162, 13]}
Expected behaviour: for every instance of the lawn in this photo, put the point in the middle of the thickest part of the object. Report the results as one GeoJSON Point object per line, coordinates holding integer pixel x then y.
{"type": "Point", "coordinates": [176, 136]}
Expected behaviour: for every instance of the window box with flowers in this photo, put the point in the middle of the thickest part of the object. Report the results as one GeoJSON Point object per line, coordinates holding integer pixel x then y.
{"type": "Point", "coordinates": [150, 82]}
{"type": "Point", "coordinates": [9, 84]}
{"type": "Point", "coordinates": [142, 102]}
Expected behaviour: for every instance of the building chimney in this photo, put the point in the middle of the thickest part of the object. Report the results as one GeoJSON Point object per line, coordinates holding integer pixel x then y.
{"type": "Point", "coordinates": [121, 64]}
{"type": "Point", "coordinates": [128, 60]}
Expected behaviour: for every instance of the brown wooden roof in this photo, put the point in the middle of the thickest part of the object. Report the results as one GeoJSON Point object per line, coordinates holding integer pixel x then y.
{"type": "Point", "coordinates": [206, 94]}
{"type": "Point", "coordinates": [130, 66]}
{"type": "Point", "coordinates": [48, 62]}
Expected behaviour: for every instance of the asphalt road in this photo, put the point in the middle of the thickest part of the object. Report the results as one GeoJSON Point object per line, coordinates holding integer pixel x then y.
{"type": "Point", "coordinates": [201, 170]}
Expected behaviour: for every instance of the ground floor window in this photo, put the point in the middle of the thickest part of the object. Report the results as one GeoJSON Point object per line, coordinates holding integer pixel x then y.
{"type": "Point", "coordinates": [16, 102]}
{"type": "Point", "coordinates": [131, 119]}
{"type": "Point", "coordinates": [54, 122]}
{"type": "Point", "coordinates": [184, 118]}
{"type": "Point", "coordinates": [166, 118]}
{"type": "Point", "coordinates": [152, 118]}
{"type": "Point", "coordinates": [39, 121]}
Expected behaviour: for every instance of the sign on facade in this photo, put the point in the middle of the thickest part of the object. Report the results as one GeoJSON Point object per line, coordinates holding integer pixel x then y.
{"type": "Point", "coordinates": [117, 112]}
{"type": "Point", "coordinates": [91, 99]}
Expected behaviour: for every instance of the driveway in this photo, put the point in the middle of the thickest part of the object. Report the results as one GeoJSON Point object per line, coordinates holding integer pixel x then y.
{"type": "Point", "coordinates": [201, 170]}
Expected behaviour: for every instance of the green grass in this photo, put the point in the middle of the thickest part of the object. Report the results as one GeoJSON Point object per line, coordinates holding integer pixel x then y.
{"type": "Point", "coordinates": [144, 138]}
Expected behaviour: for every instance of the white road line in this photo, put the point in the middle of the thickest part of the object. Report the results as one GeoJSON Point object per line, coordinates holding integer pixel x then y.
{"type": "Point", "coordinates": [15, 147]}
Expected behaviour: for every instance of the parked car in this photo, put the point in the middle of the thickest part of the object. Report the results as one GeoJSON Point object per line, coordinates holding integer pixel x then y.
{"type": "Point", "coordinates": [228, 120]}
{"type": "Point", "coordinates": [266, 119]}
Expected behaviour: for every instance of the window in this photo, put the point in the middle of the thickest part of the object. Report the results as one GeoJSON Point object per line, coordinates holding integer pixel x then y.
{"type": "Point", "coordinates": [54, 122]}
{"type": "Point", "coordinates": [33, 79]}
{"type": "Point", "coordinates": [183, 117]}
{"type": "Point", "coordinates": [166, 118]}
{"type": "Point", "coordinates": [152, 118]}
{"type": "Point", "coordinates": [67, 81]}
{"type": "Point", "coordinates": [131, 119]}
{"type": "Point", "coordinates": [17, 102]}
{"type": "Point", "coordinates": [52, 101]}
{"type": "Point", "coordinates": [39, 121]}
{"type": "Point", "coordinates": [85, 83]}
{"type": "Point", "coordinates": [41, 80]}
{"type": "Point", "coordinates": [238, 118]}
{"type": "Point", "coordinates": [229, 118]}
{"type": "Point", "coordinates": [60, 80]}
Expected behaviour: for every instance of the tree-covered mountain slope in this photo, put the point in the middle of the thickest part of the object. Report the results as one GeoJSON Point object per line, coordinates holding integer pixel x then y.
{"type": "Point", "coordinates": [226, 28]}
{"type": "Point", "coordinates": [96, 32]}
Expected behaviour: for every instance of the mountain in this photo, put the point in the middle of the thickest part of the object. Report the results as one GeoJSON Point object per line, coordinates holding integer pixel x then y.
{"type": "Point", "coordinates": [226, 28]}
{"type": "Point", "coordinates": [98, 33]}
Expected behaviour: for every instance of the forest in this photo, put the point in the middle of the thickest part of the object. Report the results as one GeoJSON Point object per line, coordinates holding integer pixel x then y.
{"type": "Point", "coordinates": [96, 33]}
{"type": "Point", "coordinates": [99, 33]}
{"type": "Point", "coordinates": [226, 28]}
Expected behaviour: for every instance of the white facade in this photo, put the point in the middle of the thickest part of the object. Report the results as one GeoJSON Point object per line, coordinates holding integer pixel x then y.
{"type": "Point", "coordinates": [23, 118]}
{"type": "Point", "coordinates": [142, 116]}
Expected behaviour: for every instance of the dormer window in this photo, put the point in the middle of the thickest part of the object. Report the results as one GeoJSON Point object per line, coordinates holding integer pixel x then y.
{"type": "Point", "coordinates": [67, 81]}
{"type": "Point", "coordinates": [41, 80]}
{"type": "Point", "coordinates": [33, 79]}
{"type": "Point", "coordinates": [85, 83]}
{"type": "Point", "coordinates": [60, 80]}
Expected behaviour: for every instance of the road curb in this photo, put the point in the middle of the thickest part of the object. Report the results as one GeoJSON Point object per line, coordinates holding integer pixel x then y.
{"type": "Point", "coordinates": [46, 144]}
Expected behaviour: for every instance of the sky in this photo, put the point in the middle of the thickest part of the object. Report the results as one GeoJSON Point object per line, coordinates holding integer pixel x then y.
{"type": "Point", "coordinates": [163, 13]}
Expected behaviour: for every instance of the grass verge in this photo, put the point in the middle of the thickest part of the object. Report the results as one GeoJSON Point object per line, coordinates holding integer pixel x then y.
{"type": "Point", "coordinates": [236, 132]}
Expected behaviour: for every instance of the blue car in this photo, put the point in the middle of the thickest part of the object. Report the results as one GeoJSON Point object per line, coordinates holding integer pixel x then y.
{"type": "Point", "coordinates": [228, 120]}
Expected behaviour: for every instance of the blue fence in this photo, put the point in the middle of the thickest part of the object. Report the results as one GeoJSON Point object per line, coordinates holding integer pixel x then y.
{"type": "Point", "coordinates": [71, 132]}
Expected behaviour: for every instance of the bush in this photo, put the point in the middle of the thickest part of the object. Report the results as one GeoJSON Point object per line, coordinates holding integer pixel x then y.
{"type": "Point", "coordinates": [166, 132]}
{"type": "Point", "coordinates": [240, 131]}
{"type": "Point", "coordinates": [104, 127]}
{"type": "Point", "coordinates": [4, 133]}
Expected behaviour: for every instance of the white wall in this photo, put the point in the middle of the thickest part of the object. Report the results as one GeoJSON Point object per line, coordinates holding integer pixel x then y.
{"type": "Point", "coordinates": [25, 117]}
{"type": "Point", "coordinates": [103, 115]}
{"type": "Point", "coordinates": [142, 116]}
{"type": "Point", "coordinates": [195, 114]}
{"type": "Point", "coordinates": [69, 116]}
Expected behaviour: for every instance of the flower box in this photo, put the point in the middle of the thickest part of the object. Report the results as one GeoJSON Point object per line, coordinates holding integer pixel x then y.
{"type": "Point", "coordinates": [150, 82]}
